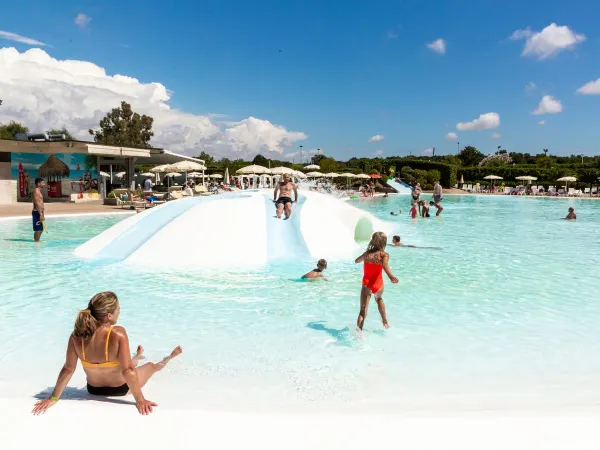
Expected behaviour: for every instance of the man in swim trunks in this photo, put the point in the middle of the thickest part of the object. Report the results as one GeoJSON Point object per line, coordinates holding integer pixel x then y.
{"type": "Point", "coordinates": [437, 197]}
{"type": "Point", "coordinates": [571, 215]}
{"type": "Point", "coordinates": [284, 201]}
{"type": "Point", "coordinates": [37, 215]}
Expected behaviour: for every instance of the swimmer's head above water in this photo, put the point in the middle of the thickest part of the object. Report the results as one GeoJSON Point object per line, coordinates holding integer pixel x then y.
{"type": "Point", "coordinates": [322, 264]}
{"type": "Point", "coordinates": [396, 240]}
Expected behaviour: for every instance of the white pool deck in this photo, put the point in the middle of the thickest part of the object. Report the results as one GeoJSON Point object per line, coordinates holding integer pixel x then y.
{"type": "Point", "coordinates": [99, 425]}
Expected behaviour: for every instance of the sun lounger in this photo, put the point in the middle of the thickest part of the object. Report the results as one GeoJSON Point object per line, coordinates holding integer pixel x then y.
{"type": "Point", "coordinates": [201, 190]}
{"type": "Point", "coordinates": [594, 191]}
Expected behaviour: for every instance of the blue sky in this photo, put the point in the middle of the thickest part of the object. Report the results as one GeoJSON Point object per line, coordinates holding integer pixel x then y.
{"type": "Point", "coordinates": [342, 72]}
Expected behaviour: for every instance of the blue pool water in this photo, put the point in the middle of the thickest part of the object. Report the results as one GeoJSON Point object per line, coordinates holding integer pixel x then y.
{"type": "Point", "coordinates": [506, 316]}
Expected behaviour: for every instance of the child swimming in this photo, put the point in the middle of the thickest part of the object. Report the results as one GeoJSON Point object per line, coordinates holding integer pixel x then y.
{"type": "Point", "coordinates": [318, 272]}
{"type": "Point", "coordinates": [375, 262]}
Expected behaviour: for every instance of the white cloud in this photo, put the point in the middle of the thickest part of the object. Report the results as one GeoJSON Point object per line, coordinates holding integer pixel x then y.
{"type": "Point", "coordinates": [521, 34]}
{"type": "Point", "coordinates": [549, 42]}
{"type": "Point", "coordinates": [428, 151]}
{"type": "Point", "coordinates": [542, 122]}
{"type": "Point", "coordinates": [487, 121]}
{"type": "Point", "coordinates": [43, 93]}
{"type": "Point", "coordinates": [378, 152]}
{"type": "Point", "coordinates": [548, 105]}
{"type": "Point", "coordinates": [377, 138]}
{"type": "Point", "coordinates": [438, 46]}
{"type": "Point", "coordinates": [591, 88]}
{"type": "Point", "coordinates": [451, 136]}
{"type": "Point", "coordinates": [18, 38]}
{"type": "Point", "coordinates": [392, 35]}
{"type": "Point", "coordinates": [496, 136]}
{"type": "Point", "coordinates": [82, 20]}
{"type": "Point", "coordinates": [531, 86]}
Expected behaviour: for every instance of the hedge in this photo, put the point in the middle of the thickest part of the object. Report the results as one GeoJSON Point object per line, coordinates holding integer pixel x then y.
{"type": "Point", "coordinates": [447, 171]}
{"type": "Point", "coordinates": [547, 175]}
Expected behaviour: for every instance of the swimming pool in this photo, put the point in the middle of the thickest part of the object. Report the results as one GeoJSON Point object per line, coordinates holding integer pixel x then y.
{"type": "Point", "coordinates": [504, 317]}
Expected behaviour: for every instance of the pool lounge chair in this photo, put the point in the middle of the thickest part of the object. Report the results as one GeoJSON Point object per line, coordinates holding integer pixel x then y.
{"type": "Point", "coordinates": [201, 190]}
{"type": "Point", "coordinates": [594, 191]}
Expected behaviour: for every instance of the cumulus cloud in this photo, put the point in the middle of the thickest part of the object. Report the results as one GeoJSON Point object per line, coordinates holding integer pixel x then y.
{"type": "Point", "coordinates": [377, 138]}
{"type": "Point", "coordinates": [43, 93]}
{"type": "Point", "coordinates": [591, 88]}
{"type": "Point", "coordinates": [82, 20]}
{"type": "Point", "coordinates": [496, 136]}
{"type": "Point", "coordinates": [548, 105]}
{"type": "Point", "coordinates": [487, 121]}
{"type": "Point", "coordinates": [549, 42]}
{"type": "Point", "coordinates": [542, 122]}
{"type": "Point", "coordinates": [18, 38]}
{"type": "Point", "coordinates": [378, 153]}
{"type": "Point", "coordinates": [451, 136]}
{"type": "Point", "coordinates": [438, 46]}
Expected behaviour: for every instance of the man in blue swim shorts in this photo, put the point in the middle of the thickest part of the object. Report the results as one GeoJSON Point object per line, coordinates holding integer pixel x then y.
{"type": "Point", "coordinates": [37, 215]}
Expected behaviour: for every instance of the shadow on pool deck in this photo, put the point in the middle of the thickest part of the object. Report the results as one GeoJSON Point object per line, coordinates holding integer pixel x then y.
{"type": "Point", "coordinates": [71, 393]}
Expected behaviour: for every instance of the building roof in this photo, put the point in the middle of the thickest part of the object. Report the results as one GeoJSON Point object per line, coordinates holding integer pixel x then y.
{"type": "Point", "coordinates": [144, 155]}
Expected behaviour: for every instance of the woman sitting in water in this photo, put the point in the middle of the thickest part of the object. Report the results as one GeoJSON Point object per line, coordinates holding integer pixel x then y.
{"type": "Point", "coordinates": [103, 349]}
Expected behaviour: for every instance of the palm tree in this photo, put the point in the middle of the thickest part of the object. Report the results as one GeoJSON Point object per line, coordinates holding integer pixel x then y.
{"type": "Point", "coordinates": [545, 152]}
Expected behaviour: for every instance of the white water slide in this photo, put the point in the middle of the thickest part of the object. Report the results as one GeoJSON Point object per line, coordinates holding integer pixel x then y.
{"type": "Point", "coordinates": [237, 230]}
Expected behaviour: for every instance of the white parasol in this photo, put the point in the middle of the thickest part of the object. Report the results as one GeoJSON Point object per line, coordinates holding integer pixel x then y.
{"type": "Point", "coordinates": [312, 167]}
{"type": "Point", "coordinates": [567, 180]}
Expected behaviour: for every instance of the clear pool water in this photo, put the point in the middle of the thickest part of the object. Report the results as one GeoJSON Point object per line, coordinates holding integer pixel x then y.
{"type": "Point", "coordinates": [506, 316]}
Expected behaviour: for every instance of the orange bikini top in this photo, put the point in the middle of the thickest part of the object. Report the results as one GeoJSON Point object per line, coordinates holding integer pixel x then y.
{"type": "Point", "coordinates": [105, 365]}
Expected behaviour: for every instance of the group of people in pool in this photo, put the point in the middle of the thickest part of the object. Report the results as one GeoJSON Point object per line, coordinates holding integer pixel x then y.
{"type": "Point", "coordinates": [375, 261]}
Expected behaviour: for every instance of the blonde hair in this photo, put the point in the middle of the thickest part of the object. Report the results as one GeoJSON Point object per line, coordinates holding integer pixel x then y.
{"type": "Point", "coordinates": [378, 242]}
{"type": "Point", "coordinates": [88, 320]}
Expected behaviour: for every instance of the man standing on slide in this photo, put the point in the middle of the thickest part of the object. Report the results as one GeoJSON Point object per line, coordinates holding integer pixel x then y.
{"type": "Point", "coordinates": [284, 201]}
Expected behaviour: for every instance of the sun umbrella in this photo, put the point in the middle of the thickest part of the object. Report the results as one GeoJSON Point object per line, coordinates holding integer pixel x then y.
{"type": "Point", "coordinates": [363, 175]}
{"type": "Point", "coordinates": [226, 175]}
{"type": "Point", "coordinates": [282, 170]}
{"type": "Point", "coordinates": [462, 179]}
{"type": "Point", "coordinates": [216, 175]}
{"type": "Point", "coordinates": [315, 174]}
{"type": "Point", "coordinates": [194, 174]}
{"type": "Point", "coordinates": [527, 178]}
{"type": "Point", "coordinates": [567, 180]}
{"type": "Point", "coordinates": [312, 167]}
{"type": "Point", "coordinates": [375, 175]}
{"type": "Point", "coordinates": [120, 174]}
{"type": "Point", "coordinates": [173, 174]}
{"type": "Point", "coordinates": [332, 175]}
{"type": "Point", "coordinates": [186, 166]}
{"type": "Point", "coordinates": [157, 169]}
{"type": "Point", "coordinates": [347, 176]}
{"type": "Point", "coordinates": [492, 177]}
{"type": "Point", "coordinates": [253, 169]}
{"type": "Point", "coordinates": [104, 174]}
{"type": "Point", "coordinates": [299, 174]}
{"type": "Point", "coordinates": [146, 174]}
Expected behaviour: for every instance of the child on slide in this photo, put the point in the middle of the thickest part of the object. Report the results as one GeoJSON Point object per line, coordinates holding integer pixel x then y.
{"type": "Point", "coordinates": [375, 260]}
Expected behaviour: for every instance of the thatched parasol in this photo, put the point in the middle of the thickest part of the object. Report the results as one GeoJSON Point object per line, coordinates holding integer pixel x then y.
{"type": "Point", "coordinates": [53, 169]}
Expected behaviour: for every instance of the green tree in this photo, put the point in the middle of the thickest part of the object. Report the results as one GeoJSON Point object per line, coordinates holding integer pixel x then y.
{"type": "Point", "coordinates": [208, 160]}
{"type": "Point", "coordinates": [62, 130]}
{"type": "Point", "coordinates": [123, 127]}
{"type": "Point", "coordinates": [261, 161]}
{"type": "Point", "coordinates": [11, 130]}
{"type": "Point", "coordinates": [470, 156]}
{"type": "Point", "coordinates": [328, 164]}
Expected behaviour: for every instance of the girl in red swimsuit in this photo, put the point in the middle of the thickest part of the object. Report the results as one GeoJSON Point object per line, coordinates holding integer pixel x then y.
{"type": "Point", "coordinates": [376, 261]}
